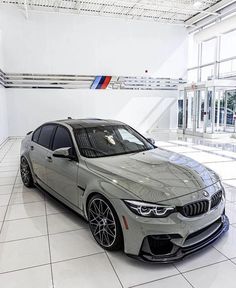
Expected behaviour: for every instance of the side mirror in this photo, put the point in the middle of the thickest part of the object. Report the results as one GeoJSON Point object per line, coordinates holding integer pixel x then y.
{"type": "Point", "coordinates": [151, 140]}
{"type": "Point", "coordinates": [64, 153]}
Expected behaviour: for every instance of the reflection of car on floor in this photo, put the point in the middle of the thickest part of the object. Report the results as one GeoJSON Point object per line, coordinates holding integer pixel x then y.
{"type": "Point", "coordinates": [156, 205]}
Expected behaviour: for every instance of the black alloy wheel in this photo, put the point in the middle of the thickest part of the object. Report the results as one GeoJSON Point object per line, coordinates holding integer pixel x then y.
{"type": "Point", "coordinates": [26, 174]}
{"type": "Point", "coordinates": [104, 223]}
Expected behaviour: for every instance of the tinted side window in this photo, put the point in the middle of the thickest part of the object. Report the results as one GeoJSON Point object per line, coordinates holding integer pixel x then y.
{"type": "Point", "coordinates": [62, 139]}
{"type": "Point", "coordinates": [35, 137]}
{"type": "Point", "coordinates": [45, 135]}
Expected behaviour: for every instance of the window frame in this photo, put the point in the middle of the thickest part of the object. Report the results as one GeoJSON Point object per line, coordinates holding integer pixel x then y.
{"type": "Point", "coordinates": [39, 128]}
{"type": "Point", "coordinates": [71, 138]}
{"type": "Point", "coordinates": [52, 135]}
{"type": "Point", "coordinates": [63, 127]}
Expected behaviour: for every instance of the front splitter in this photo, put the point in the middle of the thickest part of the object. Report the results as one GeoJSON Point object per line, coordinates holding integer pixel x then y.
{"type": "Point", "coordinates": [182, 252]}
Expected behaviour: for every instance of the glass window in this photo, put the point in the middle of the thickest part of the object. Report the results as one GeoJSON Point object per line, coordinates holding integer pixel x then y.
{"type": "Point", "coordinates": [225, 67]}
{"type": "Point", "coordinates": [127, 136]}
{"type": "Point", "coordinates": [110, 140]}
{"type": "Point", "coordinates": [207, 72]}
{"type": "Point", "coordinates": [192, 51]}
{"type": "Point", "coordinates": [36, 135]}
{"type": "Point", "coordinates": [62, 139]}
{"type": "Point", "coordinates": [192, 76]}
{"type": "Point", "coordinates": [208, 51]}
{"type": "Point", "coordinates": [228, 45]}
{"type": "Point", "coordinates": [45, 135]}
{"type": "Point", "coordinates": [228, 67]}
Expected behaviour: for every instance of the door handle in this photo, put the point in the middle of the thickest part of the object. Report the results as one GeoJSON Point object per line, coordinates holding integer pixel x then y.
{"type": "Point", "coordinates": [49, 158]}
{"type": "Point", "coordinates": [32, 147]}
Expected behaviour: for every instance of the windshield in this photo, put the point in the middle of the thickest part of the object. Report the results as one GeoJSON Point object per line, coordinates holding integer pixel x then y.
{"type": "Point", "coordinates": [111, 140]}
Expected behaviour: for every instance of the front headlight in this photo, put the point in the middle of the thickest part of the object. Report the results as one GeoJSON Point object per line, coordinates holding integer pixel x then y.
{"type": "Point", "coordinates": [148, 209]}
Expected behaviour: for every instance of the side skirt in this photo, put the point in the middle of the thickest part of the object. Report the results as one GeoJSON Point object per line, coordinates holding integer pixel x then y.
{"type": "Point", "coordinates": [39, 184]}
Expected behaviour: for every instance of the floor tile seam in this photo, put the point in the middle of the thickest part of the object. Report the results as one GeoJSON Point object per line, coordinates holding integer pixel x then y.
{"type": "Point", "coordinates": [42, 235]}
{"type": "Point", "coordinates": [114, 270]}
{"type": "Point", "coordinates": [155, 280]}
{"type": "Point", "coordinates": [7, 206]}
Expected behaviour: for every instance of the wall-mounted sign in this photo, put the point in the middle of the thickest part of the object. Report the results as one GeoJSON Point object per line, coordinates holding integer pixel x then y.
{"type": "Point", "coordinates": [101, 82]}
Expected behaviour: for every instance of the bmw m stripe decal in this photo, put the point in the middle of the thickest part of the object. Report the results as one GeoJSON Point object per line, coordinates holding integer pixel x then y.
{"type": "Point", "coordinates": [106, 82]}
{"type": "Point", "coordinates": [101, 82]}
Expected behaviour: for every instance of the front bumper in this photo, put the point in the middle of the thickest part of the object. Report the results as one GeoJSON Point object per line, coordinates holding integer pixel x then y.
{"type": "Point", "coordinates": [177, 252]}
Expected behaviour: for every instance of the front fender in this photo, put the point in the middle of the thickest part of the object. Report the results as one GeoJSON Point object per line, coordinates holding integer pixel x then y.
{"type": "Point", "coordinates": [105, 188]}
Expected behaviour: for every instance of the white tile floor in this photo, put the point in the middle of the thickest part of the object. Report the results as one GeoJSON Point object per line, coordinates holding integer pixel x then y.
{"type": "Point", "coordinates": [43, 244]}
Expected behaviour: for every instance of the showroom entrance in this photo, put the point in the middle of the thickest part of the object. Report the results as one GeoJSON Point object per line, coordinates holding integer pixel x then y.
{"type": "Point", "coordinates": [207, 109]}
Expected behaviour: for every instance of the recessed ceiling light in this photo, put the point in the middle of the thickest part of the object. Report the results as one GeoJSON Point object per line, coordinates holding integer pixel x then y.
{"type": "Point", "coordinates": [197, 4]}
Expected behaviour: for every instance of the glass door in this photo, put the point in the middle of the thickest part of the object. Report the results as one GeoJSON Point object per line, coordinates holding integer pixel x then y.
{"type": "Point", "coordinates": [230, 111]}
{"type": "Point", "coordinates": [195, 112]}
{"type": "Point", "coordinates": [219, 111]}
{"type": "Point", "coordinates": [200, 102]}
{"type": "Point", "coordinates": [208, 111]}
{"type": "Point", "coordinates": [189, 111]}
{"type": "Point", "coordinates": [181, 110]}
{"type": "Point", "coordinates": [225, 109]}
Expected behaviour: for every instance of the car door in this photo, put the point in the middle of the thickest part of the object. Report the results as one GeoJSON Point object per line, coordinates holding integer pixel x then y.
{"type": "Point", "coordinates": [39, 149]}
{"type": "Point", "coordinates": [62, 173]}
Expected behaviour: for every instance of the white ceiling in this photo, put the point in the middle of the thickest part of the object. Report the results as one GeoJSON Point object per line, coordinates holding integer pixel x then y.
{"type": "Point", "coordinates": [172, 11]}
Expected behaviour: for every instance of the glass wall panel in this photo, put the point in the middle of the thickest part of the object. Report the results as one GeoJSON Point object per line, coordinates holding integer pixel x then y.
{"type": "Point", "coordinates": [192, 76]}
{"type": "Point", "coordinates": [228, 45]}
{"type": "Point", "coordinates": [207, 72]}
{"type": "Point", "coordinates": [230, 110]}
{"type": "Point", "coordinates": [192, 51]}
{"type": "Point", "coordinates": [208, 51]}
{"type": "Point", "coordinates": [209, 112]}
{"type": "Point", "coordinates": [180, 109]}
{"type": "Point", "coordinates": [228, 67]}
{"type": "Point", "coordinates": [219, 111]}
{"type": "Point", "coordinates": [200, 110]}
{"type": "Point", "coordinates": [189, 110]}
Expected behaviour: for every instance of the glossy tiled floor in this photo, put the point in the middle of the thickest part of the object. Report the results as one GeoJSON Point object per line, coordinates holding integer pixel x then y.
{"type": "Point", "coordinates": [43, 244]}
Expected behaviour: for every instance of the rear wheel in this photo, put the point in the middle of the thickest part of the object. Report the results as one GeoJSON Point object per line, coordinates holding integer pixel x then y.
{"type": "Point", "coordinates": [104, 223]}
{"type": "Point", "coordinates": [26, 174]}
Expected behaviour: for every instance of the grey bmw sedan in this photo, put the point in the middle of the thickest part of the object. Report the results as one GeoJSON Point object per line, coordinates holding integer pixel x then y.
{"type": "Point", "coordinates": [154, 204]}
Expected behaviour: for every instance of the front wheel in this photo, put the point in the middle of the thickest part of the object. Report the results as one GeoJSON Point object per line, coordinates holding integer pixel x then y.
{"type": "Point", "coordinates": [26, 174]}
{"type": "Point", "coordinates": [104, 223]}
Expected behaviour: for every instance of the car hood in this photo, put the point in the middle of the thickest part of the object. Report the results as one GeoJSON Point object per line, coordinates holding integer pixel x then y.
{"type": "Point", "coordinates": [154, 175]}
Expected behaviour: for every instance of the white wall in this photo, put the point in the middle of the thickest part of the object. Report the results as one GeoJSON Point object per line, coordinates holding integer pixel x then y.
{"type": "Point", "coordinates": [29, 108]}
{"type": "Point", "coordinates": [75, 44]}
{"type": "Point", "coordinates": [3, 105]}
{"type": "Point", "coordinates": [3, 116]}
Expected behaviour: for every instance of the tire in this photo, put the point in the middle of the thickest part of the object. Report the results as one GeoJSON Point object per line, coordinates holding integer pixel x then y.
{"type": "Point", "coordinates": [104, 223]}
{"type": "Point", "coordinates": [26, 174]}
